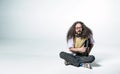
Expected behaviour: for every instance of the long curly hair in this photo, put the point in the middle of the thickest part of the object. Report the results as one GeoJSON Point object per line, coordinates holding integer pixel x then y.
{"type": "Point", "coordinates": [86, 32]}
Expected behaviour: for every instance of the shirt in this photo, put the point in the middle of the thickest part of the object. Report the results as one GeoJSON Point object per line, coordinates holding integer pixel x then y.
{"type": "Point", "coordinates": [71, 41]}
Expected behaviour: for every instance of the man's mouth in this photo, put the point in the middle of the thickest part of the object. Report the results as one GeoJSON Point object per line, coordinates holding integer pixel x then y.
{"type": "Point", "coordinates": [79, 31]}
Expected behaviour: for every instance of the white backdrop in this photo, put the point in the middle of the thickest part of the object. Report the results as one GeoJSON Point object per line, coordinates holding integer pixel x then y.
{"type": "Point", "coordinates": [36, 26]}
{"type": "Point", "coordinates": [50, 19]}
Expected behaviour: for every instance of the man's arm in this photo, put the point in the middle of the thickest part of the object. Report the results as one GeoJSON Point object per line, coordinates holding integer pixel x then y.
{"type": "Point", "coordinates": [90, 47]}
{"type": "Point", "coordinates": [78, 50]}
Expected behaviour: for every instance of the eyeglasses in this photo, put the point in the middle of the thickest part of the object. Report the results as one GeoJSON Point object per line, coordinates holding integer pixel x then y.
{"type": "Point", "coordinates": [78, 27]}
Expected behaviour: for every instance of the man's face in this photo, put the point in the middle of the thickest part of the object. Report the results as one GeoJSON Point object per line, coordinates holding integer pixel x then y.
{"type": "Point", "coordinates": [78, 28]}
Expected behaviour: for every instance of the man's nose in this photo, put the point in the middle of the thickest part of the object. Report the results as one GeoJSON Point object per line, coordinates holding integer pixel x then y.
{"type": "Point", "coordinates": [78, 29]}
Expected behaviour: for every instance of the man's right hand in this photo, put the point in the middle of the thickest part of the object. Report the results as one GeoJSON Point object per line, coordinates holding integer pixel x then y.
{"type": "Point", "coordinates": [78, 50]}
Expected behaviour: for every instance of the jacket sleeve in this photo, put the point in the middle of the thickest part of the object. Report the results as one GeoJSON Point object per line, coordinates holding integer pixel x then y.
{"type": "Point", "coordinates": [88, 46]}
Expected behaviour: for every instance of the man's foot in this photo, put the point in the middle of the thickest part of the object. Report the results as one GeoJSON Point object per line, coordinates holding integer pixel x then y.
{"type": "Point", "coordinates": [66, 63]}
{"type": "Point", "coordinates": [87, 65]}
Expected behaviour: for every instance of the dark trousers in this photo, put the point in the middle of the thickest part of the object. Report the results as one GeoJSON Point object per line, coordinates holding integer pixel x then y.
{"type": "Point", "coordinates": [75, 60]}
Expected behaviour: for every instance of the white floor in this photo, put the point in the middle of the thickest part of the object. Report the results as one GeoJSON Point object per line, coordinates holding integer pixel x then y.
{"type": "Point", "coordinates": [33, 58]}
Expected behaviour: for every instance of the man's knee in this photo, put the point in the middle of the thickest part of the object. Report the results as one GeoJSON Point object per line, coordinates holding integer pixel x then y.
{"type": "Point", "coordinates": [62, 54]}
{"type": "Point", "coordinates": [92, 58]}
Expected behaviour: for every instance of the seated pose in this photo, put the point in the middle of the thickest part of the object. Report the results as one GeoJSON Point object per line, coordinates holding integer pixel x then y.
{"type": "Point", "coordinates": [80, 42]}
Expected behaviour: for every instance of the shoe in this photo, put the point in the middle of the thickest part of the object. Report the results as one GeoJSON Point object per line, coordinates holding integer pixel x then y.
{"type": "Point", "coordinates": [66, 63]}
{"type": "Point", "coordinates": [87, 65]}
{"type": "Point", "coordinates": [81, 65]}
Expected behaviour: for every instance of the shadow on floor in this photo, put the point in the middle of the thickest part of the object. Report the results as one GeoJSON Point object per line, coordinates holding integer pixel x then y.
{"type": "Point", "coordinates": [95, 64]}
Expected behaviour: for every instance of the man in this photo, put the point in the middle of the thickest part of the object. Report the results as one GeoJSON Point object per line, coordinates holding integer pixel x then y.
{"type": "Point", "coordinates": [80, 43]}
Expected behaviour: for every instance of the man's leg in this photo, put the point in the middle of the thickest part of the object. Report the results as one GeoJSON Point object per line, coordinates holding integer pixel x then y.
{"type": "Point", "coordinates": [70, 58]}
{"type": "Point", "coordinates": [76, 60]}
{"type": "Point", "coordinates": [85, 59]}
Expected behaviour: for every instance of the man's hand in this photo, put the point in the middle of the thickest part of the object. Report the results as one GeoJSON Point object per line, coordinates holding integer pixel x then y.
{"type": "Point", "coordinates": [78, 50]}
{"type": "Point", "coordinates": [82, 49]}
